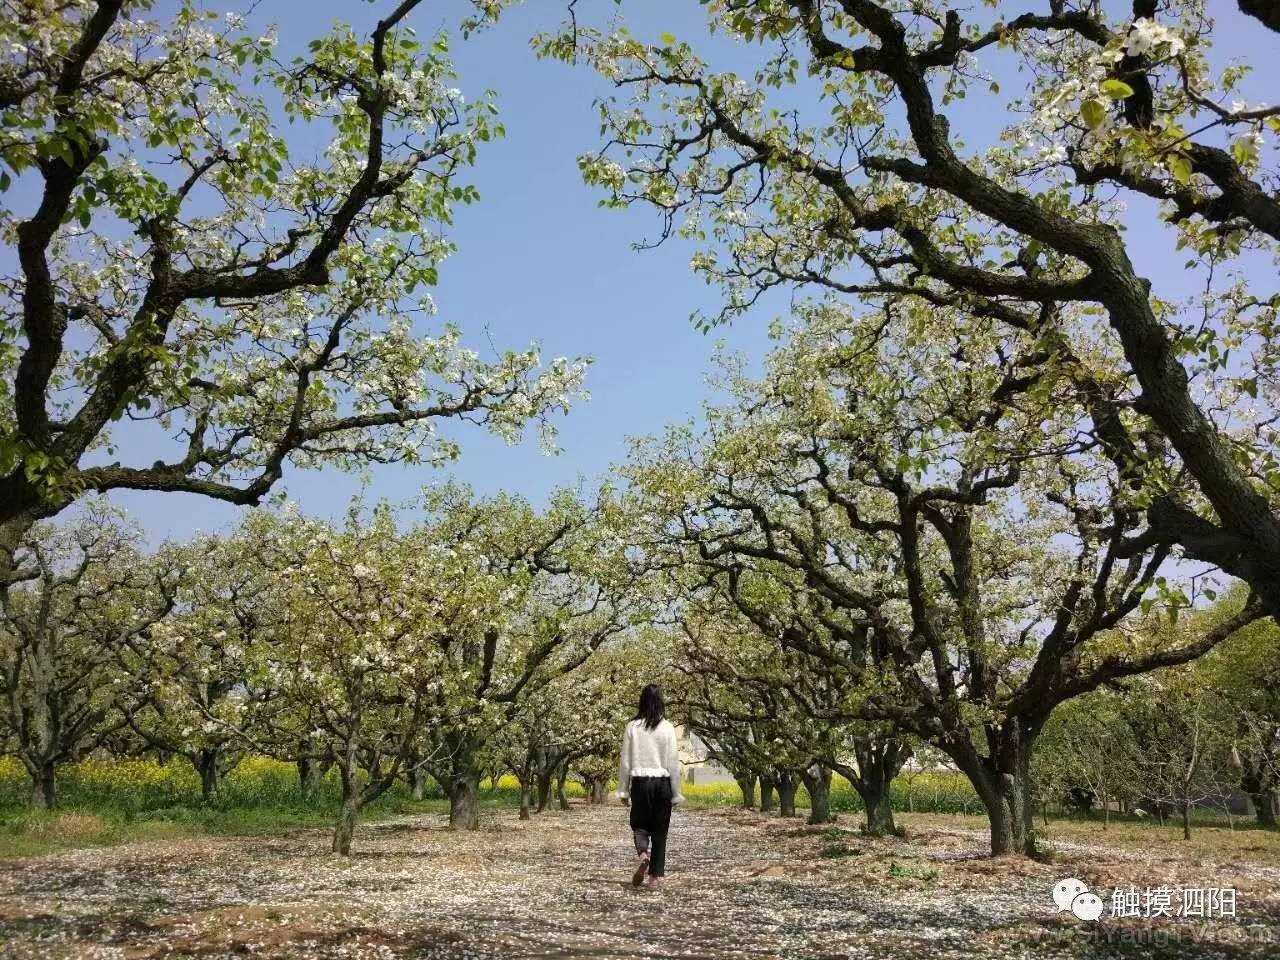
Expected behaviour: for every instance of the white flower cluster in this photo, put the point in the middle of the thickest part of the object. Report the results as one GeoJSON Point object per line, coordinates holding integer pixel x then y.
{"type": "Point", "coordinates": [1147, 36]}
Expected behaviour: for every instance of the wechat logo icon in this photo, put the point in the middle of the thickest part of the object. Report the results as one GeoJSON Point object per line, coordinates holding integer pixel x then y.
{"type": "Point", "coordinates": [1073, 896]}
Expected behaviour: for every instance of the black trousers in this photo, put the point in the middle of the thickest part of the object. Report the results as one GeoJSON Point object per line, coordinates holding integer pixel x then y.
{"type": "Point", "coordinates": [650, 819]}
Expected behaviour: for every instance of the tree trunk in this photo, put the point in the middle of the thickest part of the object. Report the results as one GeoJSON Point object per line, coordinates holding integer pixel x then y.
{"type": "Point", "coordinates": [817, 781]}
{"type": "Point", "coordinates": [1254, 783]}
{"type": "Point", "coordinates": [210, 774]}
{"type": "Point", "coordinates": [873, 790]}
{"type": "Point", "coordinates": [747, 784]}
{"type": "Point", "coordinates": [417, 783]}
{"type": "Point", "coordinates": [1264, 808]}
{"type": "Point", "coordinates": [37, 726]}
{"type": "Point", "coordinates": [524, 777]}
{"type": "Point", "coordinates": [786, 795]}
{"type": "Point", "coordinates": [524, 799]}
{"type": "Point", "coordinates": [44, 785]}
{"type": "Point", "coordinates": [544, 789]}
{"type": "Point", "coordinates": [346, 826]}
{"type": "Point", "coordinates": [767, 804]}
{"type": "Point", "coordinates": [1009, 830]}
{"type": "Point", "coordinates": [879, 814]}
{"type": "Point", "coordinates": [1003, 783]}
{"type": "Point", "coordinates": [464, 801]}
{"type": "Point", "coordinates": [310, 775]}
{"type": "Point", "coordinates": [599, 793]}
{"type": "Point", "coordinates": [879, 760]}
{"type": "Point", "coordinates": [349, 812]}
{"type": "Point", "coordinates": [561, 777]}
{"type": "Point", "coordinates": [1186, 820]}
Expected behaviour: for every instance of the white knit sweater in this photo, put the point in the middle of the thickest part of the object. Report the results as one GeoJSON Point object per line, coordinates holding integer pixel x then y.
{"type": "Point", "coordinates": [649, 753]}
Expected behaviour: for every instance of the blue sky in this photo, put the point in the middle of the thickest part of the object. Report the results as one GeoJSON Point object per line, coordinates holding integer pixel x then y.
{"type": "Point", "coordinates": [538, 260]}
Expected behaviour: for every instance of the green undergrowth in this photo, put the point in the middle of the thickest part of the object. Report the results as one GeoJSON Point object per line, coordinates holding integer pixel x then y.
{"type": "Point", "coordinates": [940, 792]}
{"type": "Point", "coordinates": [104, 802]}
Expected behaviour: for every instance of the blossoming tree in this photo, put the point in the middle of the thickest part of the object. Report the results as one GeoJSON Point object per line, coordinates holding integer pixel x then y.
{"type": "Point", "coordinates": [182, 268]}
{"type": "Point", "coordinates": [939, 482]}
{"type": "Point", "coordinates": [556, 588]}
{"type": "Point", "coordinates": [89, 592]}
{"type": "Point", "coordinates": [854, 159]}
{"type": "Point", "coordinates": [195, 686]}
{"type": "Point", "coordinates": [355, 649]}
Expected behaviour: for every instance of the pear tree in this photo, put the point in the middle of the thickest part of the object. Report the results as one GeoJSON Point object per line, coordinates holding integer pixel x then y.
{"type": "Point", "coordinates": [88, 592]}
{"type": "Point", "coordinates": [188, 274]}
{"type": "Point", "coordinates": [856, 154]}
{"type": "Point", "coordinates": [196, 690]}
{"type": "Point", "coordinates": [958, 504]}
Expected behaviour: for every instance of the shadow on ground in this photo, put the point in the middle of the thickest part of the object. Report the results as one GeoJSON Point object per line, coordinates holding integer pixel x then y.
{"type": "Point", "coordinates": [556, 886]}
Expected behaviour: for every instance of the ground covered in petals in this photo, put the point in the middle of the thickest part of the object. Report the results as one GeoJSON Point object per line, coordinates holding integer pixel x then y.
{"type": "Point", "coordinates": [739, 885]}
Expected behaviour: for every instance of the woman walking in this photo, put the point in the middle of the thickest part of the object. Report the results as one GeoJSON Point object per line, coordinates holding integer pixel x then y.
{"type": "Point", "coordinates": [649, 778]}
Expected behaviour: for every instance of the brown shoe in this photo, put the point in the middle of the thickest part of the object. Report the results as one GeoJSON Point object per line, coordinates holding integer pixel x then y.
{"type": "Point", "coordinates": [642, 868]}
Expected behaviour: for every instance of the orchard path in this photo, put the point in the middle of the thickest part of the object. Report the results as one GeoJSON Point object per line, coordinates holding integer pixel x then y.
{"type": "Point", "coordinates": [557, 886]}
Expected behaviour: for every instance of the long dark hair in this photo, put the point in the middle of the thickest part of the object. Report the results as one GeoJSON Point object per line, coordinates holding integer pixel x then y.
{"type": "Point", "coordinates": [651, 706]}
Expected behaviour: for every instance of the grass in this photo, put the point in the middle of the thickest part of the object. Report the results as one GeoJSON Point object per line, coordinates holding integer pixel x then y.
{"type": "Point", "coordinates": [949, 792]}
{"type": "Point", "coordinates": [104, 802]}
{"type": "Point", "coordinates": [933, 792]}
{"type": "Point", "coordinates": [899, 871]}
{"type": "Point", "coordinates": [1211, 836]}
{"type": "Point", "coordinates": [27, 832]}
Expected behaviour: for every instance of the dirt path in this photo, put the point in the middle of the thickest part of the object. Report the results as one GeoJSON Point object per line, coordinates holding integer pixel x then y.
{"type": "Point", "coordinates": [557, 886]}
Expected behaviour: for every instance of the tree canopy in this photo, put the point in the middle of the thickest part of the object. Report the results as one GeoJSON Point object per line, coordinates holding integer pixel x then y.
{"type": "Point", "coordinates": [842, 163]}
{"type": "Point", "coordinates": [189, 267]}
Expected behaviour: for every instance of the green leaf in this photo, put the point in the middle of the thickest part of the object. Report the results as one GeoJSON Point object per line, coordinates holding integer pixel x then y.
{"type": "Point", "coordinates": [1093, 113]}
{"type": "Point", "coordinates": [1116, 89]}
{"type": "Point", "coordinates": [1180, 167]}
{"type": "Point", "coordinates": [667, 38]}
